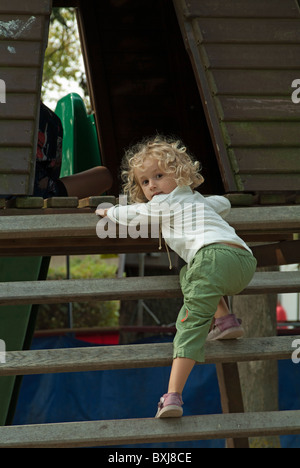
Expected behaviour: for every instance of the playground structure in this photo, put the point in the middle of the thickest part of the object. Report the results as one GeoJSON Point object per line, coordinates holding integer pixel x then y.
{"type": "Point", "coordinates": [253, 154]}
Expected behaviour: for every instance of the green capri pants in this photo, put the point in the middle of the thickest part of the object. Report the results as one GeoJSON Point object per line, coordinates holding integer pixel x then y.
{"type": "Point", "coordinates": [217, 270]}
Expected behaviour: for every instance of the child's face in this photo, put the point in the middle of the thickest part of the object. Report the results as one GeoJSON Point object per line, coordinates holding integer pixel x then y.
{"type": "Point", "coordinates": [153, 180]}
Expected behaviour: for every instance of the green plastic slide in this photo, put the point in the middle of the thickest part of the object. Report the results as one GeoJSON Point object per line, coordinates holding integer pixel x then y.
{"type": "Point", "coordinates": [17, 323]}
{"type": "Point", "coordinates": [80, 143]}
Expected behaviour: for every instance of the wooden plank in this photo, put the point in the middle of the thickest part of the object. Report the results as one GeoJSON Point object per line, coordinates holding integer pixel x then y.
{"type": "Point", "coordinates": [20, 80]}
{"type": "Point", "coordinates": [23, 34]}
{"type": "Point", "coordinates": [250, 30]}
{"type": "Point", "coordinates": [21, 27]}
{"type": "Point", "coordinates": [15, 160]}
{"type": "Point", "coordinates": [244, 220]}
{"type": "Point", "coordinates": [140, 356]}
{"type": "Point", "coordinates": [95, 201]}
{"type": "Point", "coordinates": [64, 225]}
{"type": "Point", "coordinates": [16, 133]}
{"type": "Point", "coordinates": [252, 56]}
{"type": "Point", "coordinates": [265, 219]}
{"type": "Point", "coordinates": [86, 245]}
{"type": "Point", "coordinates": [235, 50]}
{"type": "Point", "coordinates": [14, 183]}
{"type": "Point", "coordinates": [61, 202]}
{"type": "Point", "coordinates": [200, 70]}
{"type": "Point", "coordinates": [26, 6]}
{"type": "Point", "coordinates": [18, 53]}
{"type": "Point", "coordinates": [67, 242]}
{"type": "Point", "coordinates": [26, 202]}
{"type": "Point", "coordinates": [252, 82]}
{"type": "Point", "coordinates": [82, 245]}
{"type": "Point", "coordinates": [242, 199]}
{"type": "Point", "coordinates": [260, 108]}
{"type": "Point", "coordinates": [272, 198]}
{"type": "Point", "coordinates": [20, 106]}
{"type": "Point", "coordinates": [272, 134]}
{"type": "Point", "coordinates": [92, 289]}
{"type": "Point", "coordinates": [55, 292]}
{"type": "Point", "coordinates": [138, 431]}
{"type": "Point", "coordinates": [270, 182]}
{"type": "Point", "coordinates": [268, 160]}
{"type": "Point", "coordinates": [241, 8]}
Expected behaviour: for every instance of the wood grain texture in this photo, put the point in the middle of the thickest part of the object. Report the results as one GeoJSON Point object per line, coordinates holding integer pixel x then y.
{"type": "Point", "coordinates": [138, 431]}
{"type": "Point", "coordinates": [107, 289]}
{"type": "Point", "coordinates": [140, 356]}
{"type": "Point", "coordinates": [245, 57]}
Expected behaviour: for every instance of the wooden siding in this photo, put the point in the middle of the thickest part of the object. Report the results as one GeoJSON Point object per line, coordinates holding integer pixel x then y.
{"type": "Point", "coordinates": [245, 55]}
{"type": "Point", "coordinates": [23, 37]}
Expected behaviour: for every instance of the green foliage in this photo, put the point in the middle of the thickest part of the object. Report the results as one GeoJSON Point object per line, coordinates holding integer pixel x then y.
{"type": "Point", "coordinates": [90, 266]}
{"type": "Point", "coordinates": [91, 314]}
{"type": "Point", "coordinates": [63, 54]}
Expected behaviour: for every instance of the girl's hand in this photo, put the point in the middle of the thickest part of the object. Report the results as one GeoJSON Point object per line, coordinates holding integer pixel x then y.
{"type": "Point", "coordinates": [101, 212]}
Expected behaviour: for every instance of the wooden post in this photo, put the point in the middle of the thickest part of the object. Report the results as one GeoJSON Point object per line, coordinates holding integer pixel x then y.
{"type": "Point", "coordinates": [259, 380]}
{"type": "Point", "coordinates": [231, 396]}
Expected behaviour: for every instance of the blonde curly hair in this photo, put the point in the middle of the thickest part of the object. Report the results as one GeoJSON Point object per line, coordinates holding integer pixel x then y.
{"type": "Point", "coordinates": [172, 158]}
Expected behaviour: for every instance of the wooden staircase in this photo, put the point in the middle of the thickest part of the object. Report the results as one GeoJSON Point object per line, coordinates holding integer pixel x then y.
{"type": "Point", "coordinates": [234, 425]}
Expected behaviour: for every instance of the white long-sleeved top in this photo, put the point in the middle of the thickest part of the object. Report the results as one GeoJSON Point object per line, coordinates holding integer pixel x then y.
{"type": "Point", "coordinates": [188, 220]}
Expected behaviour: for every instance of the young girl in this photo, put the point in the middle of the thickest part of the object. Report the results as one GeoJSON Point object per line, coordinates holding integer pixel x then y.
{"type": "Point", "coordinates": [160, 178]}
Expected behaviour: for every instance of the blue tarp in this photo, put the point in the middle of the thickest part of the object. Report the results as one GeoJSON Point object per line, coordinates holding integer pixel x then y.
{"type": "Point", "coordinates": [132, 393]}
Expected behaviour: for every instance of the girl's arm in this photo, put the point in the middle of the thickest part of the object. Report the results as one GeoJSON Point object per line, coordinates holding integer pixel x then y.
{"type": "Point", "coordinates": [220, 204]}
{"type": "Point", "coordinates": [121, 214]}
{"type": "Point", "coordinates": [143, 213]}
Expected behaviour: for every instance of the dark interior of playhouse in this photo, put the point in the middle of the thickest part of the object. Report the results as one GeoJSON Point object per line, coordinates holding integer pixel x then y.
{"type": "Point", "coordinates": [217, 75]}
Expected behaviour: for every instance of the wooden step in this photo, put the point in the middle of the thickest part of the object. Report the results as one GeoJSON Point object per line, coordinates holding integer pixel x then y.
{"type": "Point", "coordinates": [245, 220]}
{"type": "Point", "coordinates": [63, 291]}
{"type": "Point", "coordinates": [140, 356]}
{"type": "Point", "coordinates": [74, 232]}
{"type": "Point", "coordinates": [150, 430]}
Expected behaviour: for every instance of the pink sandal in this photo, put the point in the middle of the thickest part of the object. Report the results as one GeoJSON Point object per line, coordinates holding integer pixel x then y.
{"type": "Point", "coordinates": [170, 406]}
{"type": "Point", "coordinates": [226, 328]}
